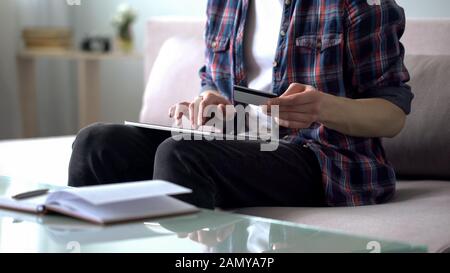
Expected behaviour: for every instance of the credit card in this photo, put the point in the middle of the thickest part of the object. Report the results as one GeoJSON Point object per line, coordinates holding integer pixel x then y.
{"type": "Point", "coordinates": [251, 96]}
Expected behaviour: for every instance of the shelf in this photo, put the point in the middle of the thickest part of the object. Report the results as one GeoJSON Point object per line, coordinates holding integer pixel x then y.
{"type": "Point", "coordinates": [88, 76]}
{"type": "Point", "coordinates": [76, 55]}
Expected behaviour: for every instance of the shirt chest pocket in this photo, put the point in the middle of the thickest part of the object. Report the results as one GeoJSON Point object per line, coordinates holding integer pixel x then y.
{"type": "Point", "coordinates": [218, 56]}
{"type": "Point", "coordinates": [321, 54]}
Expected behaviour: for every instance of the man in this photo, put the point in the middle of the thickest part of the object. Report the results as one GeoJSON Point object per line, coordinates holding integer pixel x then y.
{"type": "Point", "coordinates": [338, 68]}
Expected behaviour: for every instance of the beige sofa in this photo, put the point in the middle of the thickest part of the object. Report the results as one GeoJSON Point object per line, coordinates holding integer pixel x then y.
{"type": "Point", "coordinates": [420, 212]}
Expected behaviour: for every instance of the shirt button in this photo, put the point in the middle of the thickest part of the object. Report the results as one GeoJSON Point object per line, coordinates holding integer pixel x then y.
{"type": "Point", "coordinates": [214, 44]}
{"type": "Point", "coordinates": [283, 33]}
{"type": "Point", "coordinates": [275, 64]}
{"type": "Point", "coordinates": [287, 2]}
{"type": "Point", "coordinates": [305, 146]}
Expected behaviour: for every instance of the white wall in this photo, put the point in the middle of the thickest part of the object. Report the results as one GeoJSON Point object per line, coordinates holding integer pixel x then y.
{"type": "Point", "coordinates": [426, 8]}
{"type": "Point", "coordinates": [55, 84]}
{"type": "Point", "coordinates": [123, 82]}
{"type": "Point", "coordinates": [8, 101]}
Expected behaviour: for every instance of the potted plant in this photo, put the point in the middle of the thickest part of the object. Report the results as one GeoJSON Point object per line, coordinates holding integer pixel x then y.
{"type": "Point", "coordinates": [123, 22]}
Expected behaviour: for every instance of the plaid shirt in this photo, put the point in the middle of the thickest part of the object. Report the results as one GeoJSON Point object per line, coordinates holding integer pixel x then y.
{"type": "Point", "coordinates": [347, 48]}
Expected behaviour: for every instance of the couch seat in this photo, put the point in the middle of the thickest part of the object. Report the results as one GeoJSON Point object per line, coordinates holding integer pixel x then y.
{"type": "Point", "coordinates": [419, 214]}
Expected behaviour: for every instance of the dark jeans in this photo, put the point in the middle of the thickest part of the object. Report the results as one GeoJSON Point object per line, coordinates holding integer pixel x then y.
{"type": "Point", "coordinates": [225, 174]}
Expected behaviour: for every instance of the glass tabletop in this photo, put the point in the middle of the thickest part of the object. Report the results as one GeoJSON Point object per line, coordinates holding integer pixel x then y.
{"type": "Point", "coordinates": [204, 232]}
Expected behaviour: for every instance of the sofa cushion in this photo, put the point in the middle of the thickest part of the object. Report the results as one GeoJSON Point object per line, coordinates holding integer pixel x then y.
{"type": "Point", "coordinates": [423, 147]}
{"type": "Point", "coordinates": [419, 215]}
{"type": "Point", "coordinates": [174, 78]}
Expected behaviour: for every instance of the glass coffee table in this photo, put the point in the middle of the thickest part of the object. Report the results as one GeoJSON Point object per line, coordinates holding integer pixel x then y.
{"type": "Point", "coordinates": [203, 232]}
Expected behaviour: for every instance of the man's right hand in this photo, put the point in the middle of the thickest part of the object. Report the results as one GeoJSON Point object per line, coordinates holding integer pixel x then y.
{"type": "Point", "coordinates": [196, 111]}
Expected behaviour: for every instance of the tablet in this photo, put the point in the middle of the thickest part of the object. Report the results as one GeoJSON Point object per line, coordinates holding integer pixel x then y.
{"type": "Point", "coordinates": [171, 129]}
{"type": "Point", "coordinates": [209, 133]}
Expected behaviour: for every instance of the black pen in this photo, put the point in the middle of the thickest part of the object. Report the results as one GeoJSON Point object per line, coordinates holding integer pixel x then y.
{"type": "Point", "coordinates": [30, 194]}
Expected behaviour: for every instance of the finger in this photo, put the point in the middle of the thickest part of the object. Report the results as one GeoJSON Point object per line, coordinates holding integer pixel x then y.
{"type": "Point", "coordinates": [293, 100]}
{"type": "Point", "coordinates": [172, 111]}
{"type": "Point", "coordinates": [197, 113]}
{"type": "Point", "coordinates": [178, 114]}
{"type": "Point", "coordinates": [304, 109]}
{"type": "Point", "coordinates": [296, 117]}
{"type": "Point", "coordinates": [226, 111]}
{"type": "Point", "coordinates": [295, 88]}
{"type": "Point", "coordinates": [222, 109]}
{"type": "Point", "coordinates": [193, 113]}
{"type": "Point", "coordinates": [202, 112]}
{"type": "Point", "coordinates": [180, 110]}
{"type": "Point", "coordinates": [206, 109]}
{"type": "Point", "coordinates": [292, 124]}
{"type": "Point", "coordinates": [230, 112]}
{"type": "Point", "coordinates": [209, 111]}
{"type": "Point", "coordinates": [221, 104]}
{"type": "Point", "coordinates": [282, 101]}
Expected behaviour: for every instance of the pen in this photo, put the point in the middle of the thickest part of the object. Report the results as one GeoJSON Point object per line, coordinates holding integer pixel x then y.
{"type": "Point", "coordinates": [30, 194]}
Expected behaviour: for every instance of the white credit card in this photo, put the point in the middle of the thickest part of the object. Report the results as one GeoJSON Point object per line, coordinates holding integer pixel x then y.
{"type": "Point", "coordinates": [250, 96]}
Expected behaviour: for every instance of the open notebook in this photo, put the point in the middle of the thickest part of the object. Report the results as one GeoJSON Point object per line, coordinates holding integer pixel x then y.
{"type": "Point", "coordinates": [109, 203]}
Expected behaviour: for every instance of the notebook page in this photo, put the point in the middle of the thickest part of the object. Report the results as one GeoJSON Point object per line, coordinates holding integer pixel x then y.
{"type": "Point", "coordinates": [123, 211]}
{"type": "Point", "coordinates": [108, 194]}
{"type": "Point", "coordinates": [27, 205]}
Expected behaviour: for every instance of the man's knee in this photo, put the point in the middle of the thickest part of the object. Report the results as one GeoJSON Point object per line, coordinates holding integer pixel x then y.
{"type": "Point", "coordinates": [181, 162]}
{"type": "Point", "coordinates": [96, 137]}
{"type": "Point", "coordinates": [187, 153]}
{"type": "Point", "coordinates": [170, 154]}
{"type": "Point", "coordinates": [88, 149]}
{"type": "Point", "coordinates": [176, 159]}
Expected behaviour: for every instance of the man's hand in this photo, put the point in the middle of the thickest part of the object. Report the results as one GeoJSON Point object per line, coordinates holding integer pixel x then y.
{"type": "Point", "coordinates": [300, 106]}
{"type": "Point", "coordinates": [303, 105]}
{"type": "Point", "coordinates": [196, 111]}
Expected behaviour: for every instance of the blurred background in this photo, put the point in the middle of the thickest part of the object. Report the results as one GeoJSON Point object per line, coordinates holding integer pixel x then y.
{"type": "Point", "coordinates": [41, 49]}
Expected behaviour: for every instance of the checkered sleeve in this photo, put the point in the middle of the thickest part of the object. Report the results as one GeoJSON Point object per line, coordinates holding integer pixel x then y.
{"type": "Point", "coordinates": [207, 83]}
{"type": "Point", "coordinates": [375, 62]}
